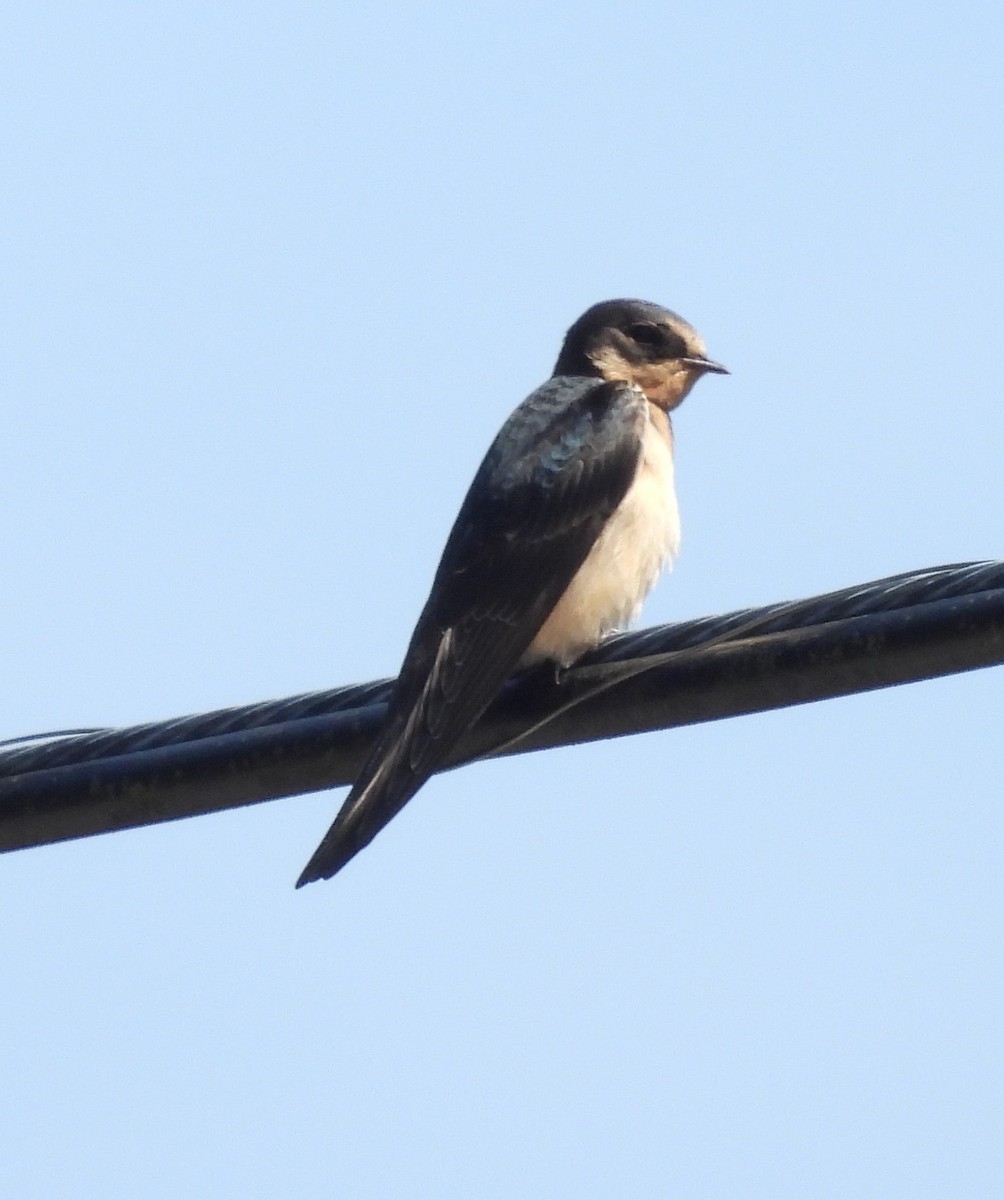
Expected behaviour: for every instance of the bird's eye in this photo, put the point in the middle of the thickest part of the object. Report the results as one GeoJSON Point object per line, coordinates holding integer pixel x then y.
{"type": "Point", "coordinates": [646, 335]}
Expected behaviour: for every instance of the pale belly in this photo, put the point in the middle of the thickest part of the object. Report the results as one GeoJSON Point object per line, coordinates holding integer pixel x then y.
{"type": "Point", "coordinates": [637, 543]}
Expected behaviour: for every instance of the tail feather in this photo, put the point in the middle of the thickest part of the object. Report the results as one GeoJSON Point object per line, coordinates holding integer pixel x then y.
{"type": "Point", "coordinates": [367, 809]}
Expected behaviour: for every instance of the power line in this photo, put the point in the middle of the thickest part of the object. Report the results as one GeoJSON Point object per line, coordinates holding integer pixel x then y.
{"type": "Point", "coordinates": [896, 630]}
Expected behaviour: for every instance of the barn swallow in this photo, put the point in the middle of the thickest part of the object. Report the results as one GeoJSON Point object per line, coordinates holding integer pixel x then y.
{"type": "Point", "coordinates": [569, 521]}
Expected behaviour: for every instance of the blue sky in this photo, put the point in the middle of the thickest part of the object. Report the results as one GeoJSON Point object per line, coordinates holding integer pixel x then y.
{"type": "Point", "coordinates": [273, 276]}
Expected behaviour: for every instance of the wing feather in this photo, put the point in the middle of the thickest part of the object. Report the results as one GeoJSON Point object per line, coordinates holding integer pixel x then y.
{"type": "Point", "coordinates": [554, 474]}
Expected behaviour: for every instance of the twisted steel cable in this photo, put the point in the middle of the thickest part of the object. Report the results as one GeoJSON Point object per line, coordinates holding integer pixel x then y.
{"type": "Point", "coordinates": [910, 626]}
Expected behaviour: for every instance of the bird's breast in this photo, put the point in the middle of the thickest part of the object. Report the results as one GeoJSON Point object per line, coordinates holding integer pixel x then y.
{"type": "Point", "coordinates": [640, 539]}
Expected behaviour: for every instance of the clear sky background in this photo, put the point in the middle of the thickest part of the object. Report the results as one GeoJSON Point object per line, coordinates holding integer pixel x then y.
{"type": "Point", "coordinates": [273, 275]}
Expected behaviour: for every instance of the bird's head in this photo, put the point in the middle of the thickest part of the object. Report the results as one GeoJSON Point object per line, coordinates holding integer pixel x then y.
{"type": "Point", "coordinates": [641, 343]}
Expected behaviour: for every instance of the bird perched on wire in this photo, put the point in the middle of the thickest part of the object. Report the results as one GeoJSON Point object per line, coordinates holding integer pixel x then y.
{"type": "Point", "coordinates": [570, 519]}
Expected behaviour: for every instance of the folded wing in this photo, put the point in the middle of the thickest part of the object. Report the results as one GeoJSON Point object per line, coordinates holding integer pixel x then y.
{"type": "Point", "coordinates": [554, 474]}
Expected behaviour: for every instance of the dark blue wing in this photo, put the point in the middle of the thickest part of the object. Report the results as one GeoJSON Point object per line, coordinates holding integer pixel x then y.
{"type": "Point", "coordinates": [556, 471]}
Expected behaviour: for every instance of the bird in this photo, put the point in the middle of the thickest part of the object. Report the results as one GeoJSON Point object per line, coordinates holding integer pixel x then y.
{"type": "Point", "coordinates": [569, 521]}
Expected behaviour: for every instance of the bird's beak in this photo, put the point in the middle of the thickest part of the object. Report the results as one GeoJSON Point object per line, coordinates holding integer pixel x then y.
{"type": "Point", "coordinates": [706, 365]}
